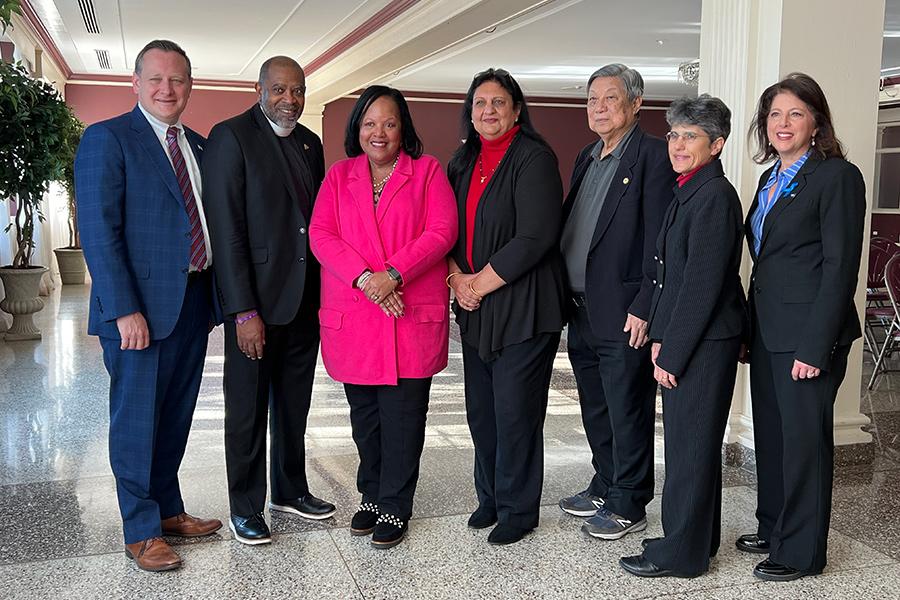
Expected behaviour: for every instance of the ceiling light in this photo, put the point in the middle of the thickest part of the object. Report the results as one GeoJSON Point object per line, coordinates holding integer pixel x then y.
{"type": "Point", "coordinates": [491, 29]}
{"type": "Point", "coordinates": [660, 42]}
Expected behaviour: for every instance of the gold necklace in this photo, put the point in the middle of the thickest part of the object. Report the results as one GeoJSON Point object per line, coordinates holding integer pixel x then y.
{"type": "Point", "coordinates": [378, 186]}
{"type": "Point", "coordinates": [481, 174]}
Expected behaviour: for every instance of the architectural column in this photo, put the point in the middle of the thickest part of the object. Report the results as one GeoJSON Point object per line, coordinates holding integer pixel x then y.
{"type": "Point", "coordinates": [747, 45]}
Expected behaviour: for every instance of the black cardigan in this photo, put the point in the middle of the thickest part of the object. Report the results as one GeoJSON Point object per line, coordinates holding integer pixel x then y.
{"type": "Point", "coordinates": [517, 227]}
{"type": "Point", "coordinates": [697, 289]}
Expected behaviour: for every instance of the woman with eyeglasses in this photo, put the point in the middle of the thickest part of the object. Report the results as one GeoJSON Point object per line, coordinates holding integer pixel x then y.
{"type": "Point", "coordinates": [805, 233]}
{"type": "Point", "coordinates": [506, 274]}
{"type": "Point", "coordinates": [697, 318]}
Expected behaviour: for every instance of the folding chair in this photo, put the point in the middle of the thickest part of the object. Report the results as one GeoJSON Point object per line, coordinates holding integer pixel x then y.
{"type": "Point", "coordinates": [878, 312]}
{"type": "Point", "coordinates": [892, 335]}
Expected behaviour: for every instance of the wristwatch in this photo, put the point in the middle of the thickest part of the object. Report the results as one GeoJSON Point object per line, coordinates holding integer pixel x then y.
{"type": "Point", "coordinates": [395, 275]}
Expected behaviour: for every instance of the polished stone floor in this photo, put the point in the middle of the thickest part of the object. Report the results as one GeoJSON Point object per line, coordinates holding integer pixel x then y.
{"type": "Point", "coordinates": [60, 535]}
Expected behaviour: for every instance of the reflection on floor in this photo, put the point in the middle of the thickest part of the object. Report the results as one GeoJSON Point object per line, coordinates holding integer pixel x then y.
{"type": "Point", "coordinates": [61, 536]}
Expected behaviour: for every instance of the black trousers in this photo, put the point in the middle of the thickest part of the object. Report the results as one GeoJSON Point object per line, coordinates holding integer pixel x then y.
{"type": "Point", "coordinates": [617, 393]}
{"type": "Point", "coordinates": [389, 430]}
{"type": "Point", "coordinates": [694, 416]}
{"type": "Point", "coordinates": [275, 389]}
{"type": "Point", "coordinates": [793, 431]}
{"type": "Point", "coordinates": [506, 402]}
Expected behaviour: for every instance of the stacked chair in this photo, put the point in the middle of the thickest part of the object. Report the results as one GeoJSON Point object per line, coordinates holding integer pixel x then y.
{"type": "Point", "coordinates": [891, 342]}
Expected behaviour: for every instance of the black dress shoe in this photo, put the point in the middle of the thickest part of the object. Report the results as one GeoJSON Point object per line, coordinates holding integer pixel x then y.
{"type": "Point", "coordinates": [640, 566]}
{"type": "Point", "coordinates": [483, 517]}
{"type": "Point", "coordinates": [250, 530]}
{"type": "Point", "coordinates": [363, 522]}
{"type": "Point", "coordinates": [389, 531]}
{"type": "Point", "coordinates": [771, 571]}
{"type": "Point", "coordinates": [751, 543]}
{"type": "Point", "coordinates": [307, 506]}
{"type": "Point", "coordinates": [502, 535]}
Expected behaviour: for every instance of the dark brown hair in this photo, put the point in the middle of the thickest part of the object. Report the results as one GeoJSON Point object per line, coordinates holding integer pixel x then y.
{"type": "Point", "coordinates": [827, 145]}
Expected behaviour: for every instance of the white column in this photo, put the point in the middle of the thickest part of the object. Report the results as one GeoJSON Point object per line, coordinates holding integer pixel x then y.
{"type": "Point", "coordinates": [747, 45]}
{"type": "Point", "coordinates": [312, 117]}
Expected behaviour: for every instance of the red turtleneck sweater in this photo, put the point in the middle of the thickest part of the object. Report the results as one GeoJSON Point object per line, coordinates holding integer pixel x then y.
{"type": "Point", "coordinates": [492, 152]}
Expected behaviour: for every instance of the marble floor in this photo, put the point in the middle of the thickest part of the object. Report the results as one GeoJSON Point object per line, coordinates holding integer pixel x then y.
{"type": "Point", "coordinates": [61, 537]}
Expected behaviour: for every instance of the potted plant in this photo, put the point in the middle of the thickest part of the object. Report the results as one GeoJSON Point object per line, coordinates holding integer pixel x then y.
{"type": "Point", "coordinates": [71, 258]}
{"type": "Point", "coordinates": [34, 125]}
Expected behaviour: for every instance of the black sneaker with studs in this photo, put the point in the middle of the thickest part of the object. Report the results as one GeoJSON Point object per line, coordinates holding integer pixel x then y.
{"type": "Point", "coordinates": [389, 531]}
{"type": "Point", "coordinates": [363, 522]}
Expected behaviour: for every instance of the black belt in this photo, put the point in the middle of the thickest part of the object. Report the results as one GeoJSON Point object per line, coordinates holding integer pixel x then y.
{"type": "Point", "coordinates": [578, 299]}
{"type": "Point", "coordinates": [197, 275]}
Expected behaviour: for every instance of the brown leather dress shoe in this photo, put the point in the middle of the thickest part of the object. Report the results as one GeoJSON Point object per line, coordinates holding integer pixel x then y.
{"type": "Point", "coordinates": [153, 554]}
{"type": "Point", "coordinates": [184, 525]}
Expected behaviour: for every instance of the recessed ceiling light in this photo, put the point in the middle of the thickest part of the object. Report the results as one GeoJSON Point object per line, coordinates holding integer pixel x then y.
{"type": "Point", "coordinates": [660, 42]}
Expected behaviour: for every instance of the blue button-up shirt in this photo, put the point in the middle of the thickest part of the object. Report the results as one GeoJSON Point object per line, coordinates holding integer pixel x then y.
{"type": "Point", "coordinates": [781, 181]}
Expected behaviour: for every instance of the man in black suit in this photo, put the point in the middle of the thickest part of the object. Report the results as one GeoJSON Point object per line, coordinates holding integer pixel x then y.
{"type": "Point", "coordinates": [262, 173]}
{"type": "Point", "coordinates": [621, 187]}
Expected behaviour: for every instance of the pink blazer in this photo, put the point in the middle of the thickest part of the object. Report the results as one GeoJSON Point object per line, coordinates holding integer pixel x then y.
{"type": "Point", "coordinates": [412, 229]}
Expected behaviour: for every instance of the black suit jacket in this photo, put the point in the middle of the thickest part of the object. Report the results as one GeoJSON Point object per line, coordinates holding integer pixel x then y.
{"type": "Point", "coordinates": [257, 228]}
{"type": "Point", "coordinates": [620, 263]}
{"type": "Point", "coordinates": [803, 281]}
{"type": "Point", "coordinates": [698, 293]}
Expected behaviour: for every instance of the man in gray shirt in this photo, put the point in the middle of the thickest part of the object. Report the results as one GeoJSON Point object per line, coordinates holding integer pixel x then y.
{"type": "Point", "coordinates": [621, 188]}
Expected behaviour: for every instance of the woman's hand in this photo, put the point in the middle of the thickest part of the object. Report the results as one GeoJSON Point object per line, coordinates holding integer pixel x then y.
{"type": "Point", "coordinates": [665, 379]}
{"type": "Point", "coordinates": [381, 289]}
{"type": "Point", "coordinates": [462, 289]}
{"type": "Point", "coordinates": [802, 370]}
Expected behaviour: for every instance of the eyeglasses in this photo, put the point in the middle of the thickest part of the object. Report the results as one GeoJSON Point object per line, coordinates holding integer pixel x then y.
{"type": "Point", "coordinates": [687, 136]}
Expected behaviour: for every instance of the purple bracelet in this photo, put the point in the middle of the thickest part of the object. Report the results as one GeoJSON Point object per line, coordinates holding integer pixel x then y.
{"type": "Point", "coordinates": [247, 317]}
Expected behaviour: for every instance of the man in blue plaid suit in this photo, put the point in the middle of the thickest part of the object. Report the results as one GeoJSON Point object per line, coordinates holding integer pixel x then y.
{"type": "Point", "coordinates": [143, 230]}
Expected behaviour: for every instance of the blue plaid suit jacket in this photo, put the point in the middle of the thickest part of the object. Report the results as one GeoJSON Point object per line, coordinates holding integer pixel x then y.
{"type": "Point", "coordinates": [134, 228]}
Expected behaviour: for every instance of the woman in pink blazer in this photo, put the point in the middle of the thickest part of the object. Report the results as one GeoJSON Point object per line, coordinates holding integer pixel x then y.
{"type": "Point", "coordinates": [383, 223]}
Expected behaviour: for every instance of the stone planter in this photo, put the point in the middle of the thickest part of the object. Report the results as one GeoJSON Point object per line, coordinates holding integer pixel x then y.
{"type": "Point", "coordinates": [71, 265]}
{"type": "Point", "coordinates": [22, 301]}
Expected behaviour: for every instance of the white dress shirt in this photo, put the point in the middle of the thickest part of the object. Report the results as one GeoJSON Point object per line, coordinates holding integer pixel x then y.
{"type": "Point", "coordinates": [190, 161]}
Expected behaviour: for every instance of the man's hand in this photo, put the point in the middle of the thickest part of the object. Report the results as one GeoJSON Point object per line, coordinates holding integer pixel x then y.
{"type": "Point", "coordinates": [638, 329]}
{"type": "Point", "coordinates": [663, 377]}
{"type": "Point", "coordinates": [134, 331]}
{"type": "Point", "coordinates": [251, 336]}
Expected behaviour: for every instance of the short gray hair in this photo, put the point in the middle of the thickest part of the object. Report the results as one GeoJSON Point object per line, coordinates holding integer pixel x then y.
{"type": "Point", "coordinates": [706, 112]}
{"type": "Point", "coordinates": [165, 46]}
{"type": "Point", "coordinates": [631, 79]}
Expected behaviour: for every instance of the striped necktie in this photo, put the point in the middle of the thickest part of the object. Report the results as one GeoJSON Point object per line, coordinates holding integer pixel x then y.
{"type": "Point", "coordinates": [198, 243]}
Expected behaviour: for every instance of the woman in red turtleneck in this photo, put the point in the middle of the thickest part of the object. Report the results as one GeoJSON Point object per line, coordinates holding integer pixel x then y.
{"type": "Point", "coordinates": [506, 274]}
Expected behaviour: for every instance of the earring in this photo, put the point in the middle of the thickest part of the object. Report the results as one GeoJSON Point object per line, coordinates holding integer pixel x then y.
{"type": "Point", "coordinates": [814, 140]}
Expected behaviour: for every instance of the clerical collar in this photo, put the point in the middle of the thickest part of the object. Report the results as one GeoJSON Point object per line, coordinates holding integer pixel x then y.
{"type": "Point", "coordinates": [278, 129]}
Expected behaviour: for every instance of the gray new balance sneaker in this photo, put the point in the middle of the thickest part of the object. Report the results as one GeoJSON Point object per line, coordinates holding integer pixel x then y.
{"type": "Point", "coordinates": [581, 504]}
{"type": "Point", "coordinates": [607, 525]}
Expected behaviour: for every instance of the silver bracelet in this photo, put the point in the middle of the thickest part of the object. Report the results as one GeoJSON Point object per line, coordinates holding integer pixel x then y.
{"type": "Point", "coordinates": [363, 278]}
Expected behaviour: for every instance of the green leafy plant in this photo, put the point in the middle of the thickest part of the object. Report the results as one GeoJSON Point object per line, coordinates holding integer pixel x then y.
{"type": "Point", "coordinates": [7, 8]}
{"type": "Point", "coordinates": [35, 124]}
{"type": "Point", "coordinates": [72, 136]}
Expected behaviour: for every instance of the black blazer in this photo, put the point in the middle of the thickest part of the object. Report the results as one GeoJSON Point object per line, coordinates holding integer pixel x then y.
{"type": "Point", "coordinates": [257, 228]}
{"type": "Point", "coordinates": [620, 263]}
{"type": "Point", "coordinates": [698, 293]}
{"type": "Point", "coordinates": [517, 230]}
{"type": "Point", "coordinates": [802, 285]}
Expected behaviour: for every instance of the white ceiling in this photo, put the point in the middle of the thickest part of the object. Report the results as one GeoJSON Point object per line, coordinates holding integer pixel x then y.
{"type": "Point", "coordinates": [551, 46]}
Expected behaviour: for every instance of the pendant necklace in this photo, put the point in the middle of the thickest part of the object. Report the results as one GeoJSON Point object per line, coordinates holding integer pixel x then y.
{"type": "Point", "coordinates": [378, 186]}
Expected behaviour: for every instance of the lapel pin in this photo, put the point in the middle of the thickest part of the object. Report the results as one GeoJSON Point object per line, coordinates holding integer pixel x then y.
{"type": "Point", "coordinates": [625, 181]}
{"type": "Point", "coordinates": [305, 146]}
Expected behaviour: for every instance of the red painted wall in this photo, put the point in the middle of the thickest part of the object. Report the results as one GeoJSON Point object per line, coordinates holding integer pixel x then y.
{"type": "Point", "coordinates": [93, 103]}
{"type": "Point", "coordinates": [438, 124]}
